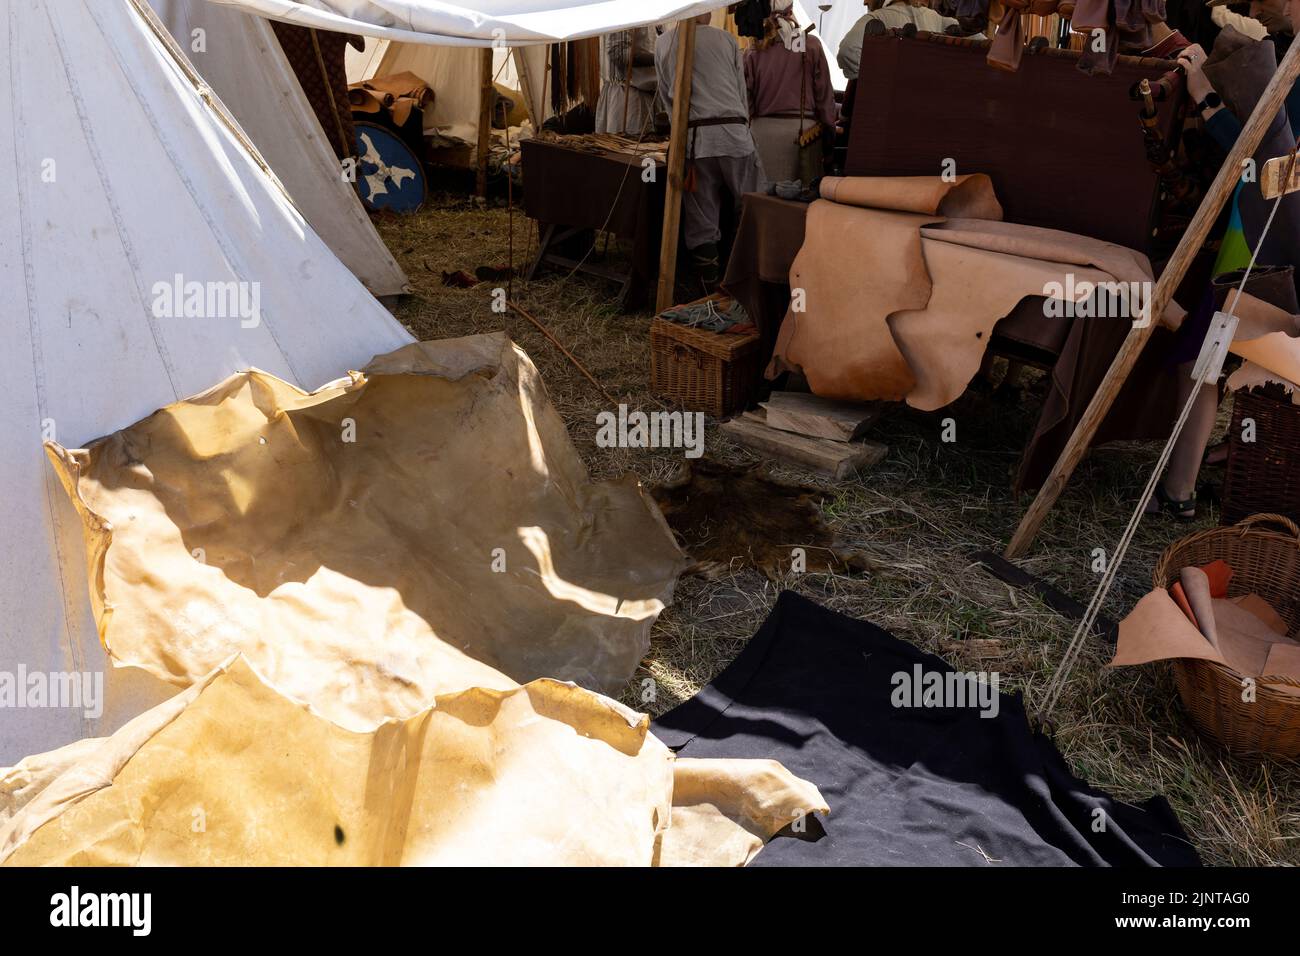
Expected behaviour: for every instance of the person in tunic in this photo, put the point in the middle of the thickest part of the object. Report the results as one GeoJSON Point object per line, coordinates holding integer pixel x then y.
{"type": "Point", "coordinates": [1176, 493]}
{"type": "Point", "coordinates": [723, 162]}
{"type": "Point", "coordinates": [627, 73]}
{"type": "Point", "coordinates": [790, 93]}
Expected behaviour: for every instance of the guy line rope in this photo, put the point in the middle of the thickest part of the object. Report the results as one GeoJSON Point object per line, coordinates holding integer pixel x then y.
{"type": "Point", "coordinates": [1052, 692]}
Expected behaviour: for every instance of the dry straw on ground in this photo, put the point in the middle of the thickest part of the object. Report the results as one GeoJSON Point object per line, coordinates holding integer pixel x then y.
{"type": "Point", "coordinates": [918, 515]}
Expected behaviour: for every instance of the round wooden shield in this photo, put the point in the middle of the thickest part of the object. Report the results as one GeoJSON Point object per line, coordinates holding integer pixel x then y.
{"type": "Point", "coordinates": [389, 175]}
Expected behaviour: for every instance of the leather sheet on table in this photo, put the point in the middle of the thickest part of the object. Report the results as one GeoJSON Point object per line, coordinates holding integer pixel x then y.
{"type": "Point", "coordinates": [417, 529]}
{"type": "Point", "coordinates": [944, 342]}
{"type": "Point", "coordinates": [908, 786]}
{"type": "Point", "coordinates": [966, 197]}
{"type": "Point", "coordinates": [840, 339]}
{"type": "Point", "coordinates": [758, 274]}
{"type": "Point", "coordinates": [231, 772]}
{"type": "Point", "coordinates": [916, 324]}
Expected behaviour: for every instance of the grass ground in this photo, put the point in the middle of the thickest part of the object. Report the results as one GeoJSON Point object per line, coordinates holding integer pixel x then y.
{"type": "Point", "coordinates": [918, 515]}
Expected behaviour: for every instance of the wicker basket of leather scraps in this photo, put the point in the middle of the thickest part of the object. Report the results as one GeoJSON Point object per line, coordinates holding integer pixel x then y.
{"type": "Point", "coordinates": [1247, 714]}
{"type": "Point", "coordinates": [704, 356]}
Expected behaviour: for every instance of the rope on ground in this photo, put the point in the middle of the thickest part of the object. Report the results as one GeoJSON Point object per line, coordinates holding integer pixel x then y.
{"type": "Point", "coordinates": [559, 345]}
{"type": "Point", "coordinates": [1061, 674]}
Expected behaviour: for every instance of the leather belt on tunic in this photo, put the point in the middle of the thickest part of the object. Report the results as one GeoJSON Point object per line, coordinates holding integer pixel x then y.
{"type": "Point", "coordinates": [718, 121]}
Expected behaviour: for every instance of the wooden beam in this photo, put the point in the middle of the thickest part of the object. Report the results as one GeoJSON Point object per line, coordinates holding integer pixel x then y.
{"type": "Point", "coordinates": [676, 162]}
{"type": "Point", "coordinates": [1197, 231]}
{"type": "Point", "coordinates": [487, 100]}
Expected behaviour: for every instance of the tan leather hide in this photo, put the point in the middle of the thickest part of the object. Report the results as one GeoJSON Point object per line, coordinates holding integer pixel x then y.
{"type": "Point", "coordinates": [1265, 337]}
{"type": "Point", "coordinates": [1251, 637]}
{"type": "Point", "coordinates": [856, 267]}
{"type": "Point", "coordinates": [897, 301]}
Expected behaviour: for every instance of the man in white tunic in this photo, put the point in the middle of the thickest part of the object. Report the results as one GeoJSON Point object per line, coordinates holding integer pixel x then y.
{"type": "Point", "coordinates": [894, 14]}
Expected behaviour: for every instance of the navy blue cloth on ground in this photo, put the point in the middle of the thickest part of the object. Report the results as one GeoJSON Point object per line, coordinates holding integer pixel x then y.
{"type": "Point", "coordinates": [920, 786]}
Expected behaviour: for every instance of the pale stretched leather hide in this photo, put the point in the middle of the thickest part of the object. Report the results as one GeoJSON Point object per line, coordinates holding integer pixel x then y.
{"type": "Point", "coordinates": [411, 531]}
{"type": "Point", "coordinates": [232, 773]}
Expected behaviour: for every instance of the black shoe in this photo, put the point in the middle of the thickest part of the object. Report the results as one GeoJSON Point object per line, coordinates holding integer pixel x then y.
{"type": "Point", "coordinates": [1183, 511]}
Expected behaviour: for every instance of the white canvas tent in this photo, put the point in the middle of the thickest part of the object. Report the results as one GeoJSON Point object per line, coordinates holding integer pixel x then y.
{"type": "Point", "coordinates": [452, 72]}
{"type": "Point", "coordinates": [486, 23]}
{"type": "Point", "coordinates": [117, 175]}
{"type": "Point", "coordinates": [237, 54]}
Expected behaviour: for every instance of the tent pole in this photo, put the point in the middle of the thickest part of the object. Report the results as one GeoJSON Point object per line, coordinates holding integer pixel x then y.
{"type": "Point", "coordinates": [1197, 231]}
{"type": "Point", "coordinates": [676, 162]}
{"type": "Point", "coordinates": [486, 89]}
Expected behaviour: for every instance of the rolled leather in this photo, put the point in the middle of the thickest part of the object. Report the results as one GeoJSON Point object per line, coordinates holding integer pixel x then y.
{"type": "Point", "coordinates": [1267, 304]}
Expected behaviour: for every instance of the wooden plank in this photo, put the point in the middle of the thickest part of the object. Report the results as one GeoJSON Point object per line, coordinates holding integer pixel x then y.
{"type": "Point", "coordinates": [808, 414]}
{"type": "Point", "coordinates": [676, 163]}
{"type": "Point", "coordinates": [1197, 231]}
{"type": "Point", "coordinates": [820, 455]}
{"type": "Point", "coordinates": [487, 97]}
{"type": "Point", "coordinates": [1058, 601]}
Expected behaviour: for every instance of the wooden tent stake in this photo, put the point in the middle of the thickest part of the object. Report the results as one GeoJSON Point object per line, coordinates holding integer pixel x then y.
{"type": "Point", "coordinates": [486, 102]}
{"type": "Point", "coordinates": [1197, 231]}
{"type": "Point", "coordinates": [676, 162]}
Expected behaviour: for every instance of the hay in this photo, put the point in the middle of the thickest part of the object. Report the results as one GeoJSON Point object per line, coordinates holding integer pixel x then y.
{"type": "Point", "coordinates": [917, 516]}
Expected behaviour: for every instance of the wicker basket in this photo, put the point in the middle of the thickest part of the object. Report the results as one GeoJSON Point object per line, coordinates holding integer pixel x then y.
{"type": "Point", "coordinates": [1263, 475]}
{"type": "Point", "coordinates": [1264, 562]}
{"type": "Point", "coordinates": [711, 372]}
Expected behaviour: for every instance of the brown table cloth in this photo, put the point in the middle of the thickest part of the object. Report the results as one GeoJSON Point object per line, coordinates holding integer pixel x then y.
{"type": "Point", "coordinates": [770, 234]}
{"type": "Point", "coordinates": [590, 190]}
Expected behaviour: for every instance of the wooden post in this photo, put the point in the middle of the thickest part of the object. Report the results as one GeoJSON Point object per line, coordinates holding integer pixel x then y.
{"type": "Point", "coordinates": [1197, 231]}
{"type": "Point", "coordinates": [676, 162]}
{"type": "Point", "coordinates": [486, 101]}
